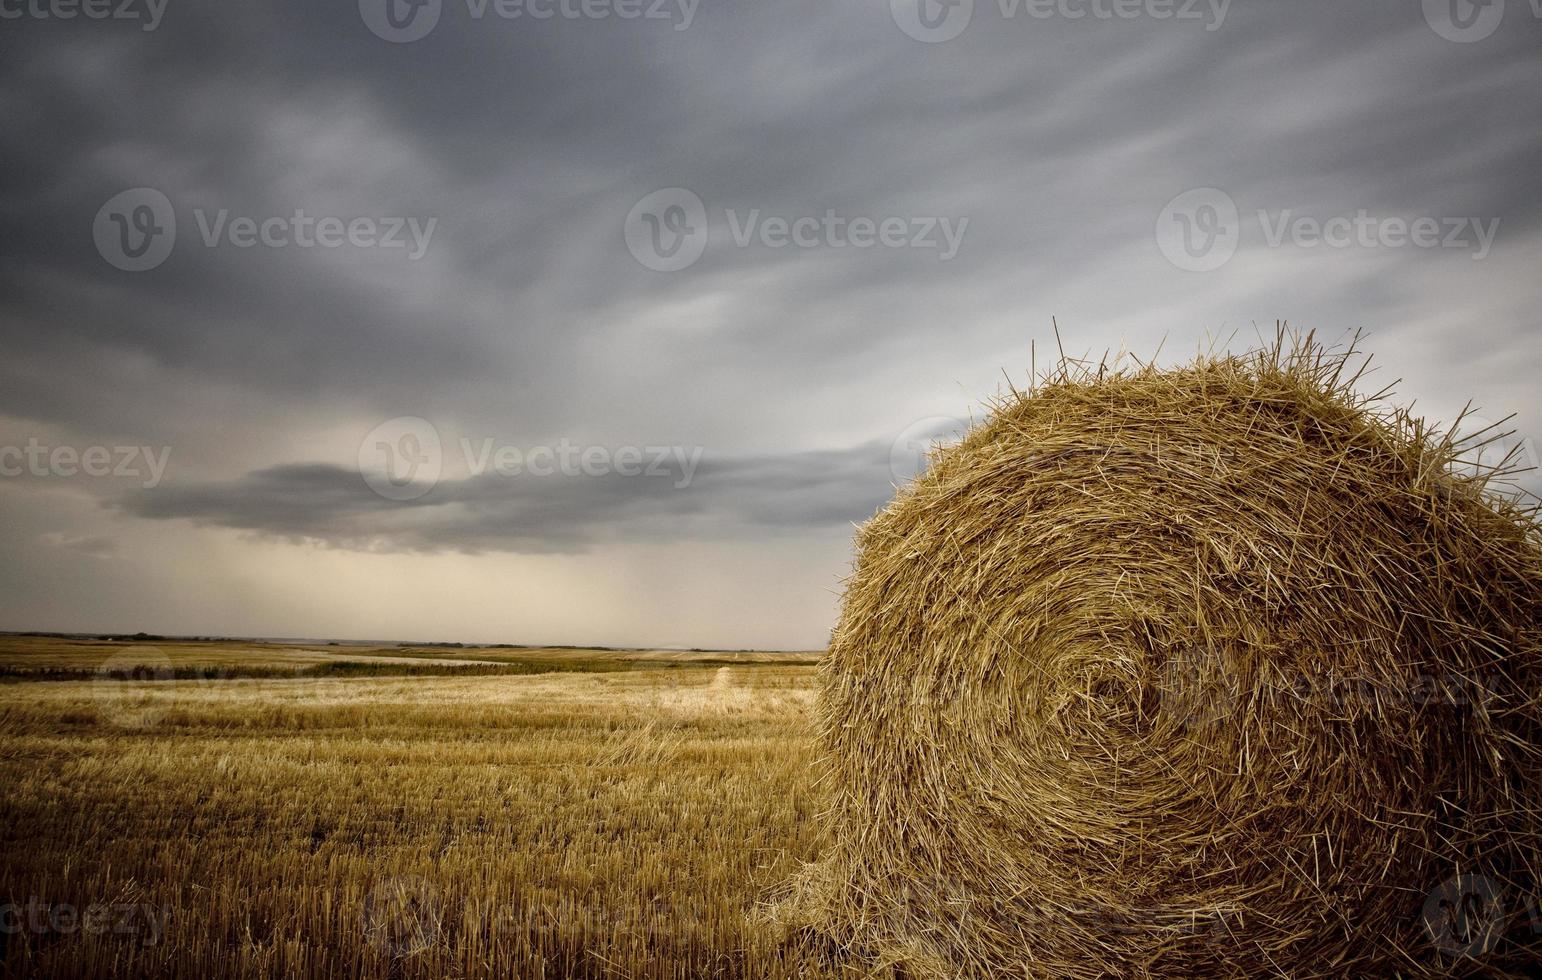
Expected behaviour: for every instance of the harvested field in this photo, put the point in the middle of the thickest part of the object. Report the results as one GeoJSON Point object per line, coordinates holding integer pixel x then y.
{"type": "Point", "coordinates": [620, 823]}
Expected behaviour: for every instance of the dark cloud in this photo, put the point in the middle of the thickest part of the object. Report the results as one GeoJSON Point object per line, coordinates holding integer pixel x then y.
{"type": "Point", "coordinates": [662, 493]}
{"type": "Point", "coordinates": [1059, 139]}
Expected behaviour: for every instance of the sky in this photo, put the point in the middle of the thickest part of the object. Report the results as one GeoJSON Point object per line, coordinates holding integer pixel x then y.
{"type": "Point", "coordinates": [606, 321]}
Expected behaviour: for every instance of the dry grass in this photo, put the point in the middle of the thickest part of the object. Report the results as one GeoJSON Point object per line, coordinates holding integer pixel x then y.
{"type": "Point", "coordinates": [1202, 672]}
{"type": "Point", "coordinates": [617, 824]}
{"type": "Point", "coordinates": [23, 653]}
{"type": "Point", "coordinates": [20, 652]}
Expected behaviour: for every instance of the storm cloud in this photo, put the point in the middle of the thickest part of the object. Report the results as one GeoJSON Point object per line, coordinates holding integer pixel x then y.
{"type": "Point", "coordinates": [718, 227]}
{"type": "Point", "coordinates": [664, 496]}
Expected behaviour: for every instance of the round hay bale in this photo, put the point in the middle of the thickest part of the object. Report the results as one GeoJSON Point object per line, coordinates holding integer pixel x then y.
{"type": "Point", "coordinates": [723, 680]}
{"type": "Point", "coordinates": [1212, 671]}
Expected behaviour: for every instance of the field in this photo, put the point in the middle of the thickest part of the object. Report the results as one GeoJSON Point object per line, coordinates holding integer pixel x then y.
{"type": "Point", "coordinates": [221, 809]}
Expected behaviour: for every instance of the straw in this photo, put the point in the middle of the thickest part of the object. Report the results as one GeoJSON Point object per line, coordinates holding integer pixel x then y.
{"type": "Point", "coordinates": [1212, 671]}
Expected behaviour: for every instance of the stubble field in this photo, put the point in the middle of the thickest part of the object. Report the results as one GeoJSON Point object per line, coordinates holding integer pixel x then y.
{"type": "Point", "coordinates": [290, 812]}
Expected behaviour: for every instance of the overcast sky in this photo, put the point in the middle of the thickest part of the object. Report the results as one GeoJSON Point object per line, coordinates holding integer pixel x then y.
{"type": "Point", "coordinates": [459, 321]}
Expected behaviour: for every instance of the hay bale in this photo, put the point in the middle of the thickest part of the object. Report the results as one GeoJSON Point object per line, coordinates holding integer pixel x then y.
{"type": "Point", "coordinates": [1212, 671]}
{"type": "Point", "coordinates": [723, 680]}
